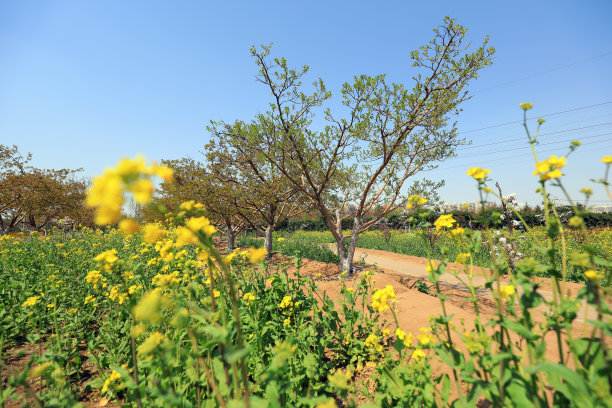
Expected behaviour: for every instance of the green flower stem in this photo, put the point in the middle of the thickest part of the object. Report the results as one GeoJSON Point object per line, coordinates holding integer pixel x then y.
{"type": "Point", "coordinates": [239, 336]}
{"type": "Point", "coordinates": [442, 299]}
{"type": "Point", "coordinates": [213, 308]}
{"type": "Point", "coordinates": [209, 375]}
{"type": "Point", "coordinates": [135, 369]}
{"type": "Point", "coordinates": [557, 295]}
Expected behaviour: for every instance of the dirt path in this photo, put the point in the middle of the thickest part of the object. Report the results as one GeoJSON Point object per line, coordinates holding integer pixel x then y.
{"type": "Point", "coordinates": [415, 267]}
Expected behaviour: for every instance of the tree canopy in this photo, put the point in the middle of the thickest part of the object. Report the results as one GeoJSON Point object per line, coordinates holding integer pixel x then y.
{"type": "Point", "coordinates": [386, 134]}
{"type": "Point", "coordinates": [38, 197]}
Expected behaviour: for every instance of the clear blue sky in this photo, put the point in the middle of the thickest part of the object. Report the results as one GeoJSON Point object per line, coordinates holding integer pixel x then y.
{"type": "Point", "coordinates": [83, 83]}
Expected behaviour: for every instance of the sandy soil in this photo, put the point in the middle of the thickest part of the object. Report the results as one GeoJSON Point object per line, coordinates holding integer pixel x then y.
{"type": "Point", "coordinates": [414, 308]}
{"type": "Point", "coordinates": [415, 267]}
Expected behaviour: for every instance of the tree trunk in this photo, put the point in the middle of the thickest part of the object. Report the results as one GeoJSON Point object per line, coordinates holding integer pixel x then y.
{"type": "Point", "coordinates": [353, 244]}
{"type": "Point", "coordinates": [230, 239]}
{"type": "Point", "coordinates": [347, 256]}
{"type": "Point", "coordinates": [268, 240]}
{"type": "Point", "coordinates": [345, 265]}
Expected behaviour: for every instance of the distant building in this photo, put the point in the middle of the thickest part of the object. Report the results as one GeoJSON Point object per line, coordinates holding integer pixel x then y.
{"type": "Point", "coordinates": [600, 209]}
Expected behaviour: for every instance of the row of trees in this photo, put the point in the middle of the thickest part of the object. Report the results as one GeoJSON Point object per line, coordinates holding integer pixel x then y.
{"type": "Point", "coordinates": [38, 197]}
{"type": "Point", "coordinates": [265, 170]}
{"type": "Point", "coordinates": [259, 173]}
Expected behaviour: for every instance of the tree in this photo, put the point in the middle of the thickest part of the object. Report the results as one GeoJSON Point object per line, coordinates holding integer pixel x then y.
{"type": "Point", "coordinates": [267, 198]}
{"type": "Point", "coordinates": [38, 197]}
{"type": "Point", "coordinates": [388, 134]}
{"type": "Point", "coordinates": [193, 181]}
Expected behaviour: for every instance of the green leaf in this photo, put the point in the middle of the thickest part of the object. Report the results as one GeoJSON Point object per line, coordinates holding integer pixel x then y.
{"type": "Point", "coordinates": [567, 382]}
{"type": "Point", "coordinates": [272, 394]}
{"type": "Point", "coordinates": [445, 387]}
{"type": "Point", "coordinates": [233, 355]}
{"type": "Point", "coordinates": [519, 328]}
{"type": "Point", "coordinates": [517, 392]}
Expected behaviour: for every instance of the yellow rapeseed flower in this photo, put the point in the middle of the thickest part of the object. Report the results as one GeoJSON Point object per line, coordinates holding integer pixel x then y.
{"type": "Point", "coordinates": [462, 258]}
{"type": "Point", "coordinates": [128, 167]}
{"type": "Point", "coordinates": [257, 254]}
{"type": "Point", "coordinates": [408, 340]}
{"type": "Point", "coordinates": [606, 159]}
{"type": "Point", "coordinates": [149, 307]}
{"type": "Point", "coordinates": [425, 338]}
{"type": "Point", "coordinates": [286, 302]}
{"type": "Point", "coordinates": [445, 220]}
{"type": "Point", "coordinates": [128, 226]}
{"type": "Point", "coordinates": [576, 221]}
{"type": "Point", "coordinates": [505, 291]}
{"type": "Point", "coordinates": [165, 173]}
{"type": "Point", "coordinates": [415, 200]}
{"type": "Point", "coordinates": [151, 343]}
{"type": "Point", "coordinates": [592, 275]}
{"type": "Point", "coordinates": [201, 224]}
{"type": "Point", "coordinates": [142, 190]}
{"type": "Point", "coordinates": [106, 194]}
{"type": "Point", "coordinates": [187, 205]}
{"type": "Point", "coordinates": [478, 172]}
{"type": "Point", "coordinates": [248, 297]}
{"type": "Point", "coordinates": [153, 233]}
{"type": "Point", "coordinates": [417, 355]}
{"type": "Point", "coordinates": [526, 105]}
{"type": "Point", "coordinates": [549, 168]}
{"type": "Point", "coordinates": [381, 296]}
{"type": "Point", "coordinates": [457, 232]}
{"type": "Point", "coordinates": [400, 334]}
{"type": "Point", "coordinates": [330, 403]}
{"type": "Point", "coordinates": [109, 256]}
{"type": "Point", "coordinates": [31, 301]}
{"type": "Point", "coordinates": [185, 236]}
{"type": "Point", "coordinates": [373, 342]}
{"type": "Point", "coordinates": [556, 162]}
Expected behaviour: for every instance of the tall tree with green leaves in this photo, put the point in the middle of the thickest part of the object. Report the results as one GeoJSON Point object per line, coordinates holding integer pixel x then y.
{"type": "Point", "coordinates": [386, 133]}
{"type": "Point", "coordinates": [268, 198]}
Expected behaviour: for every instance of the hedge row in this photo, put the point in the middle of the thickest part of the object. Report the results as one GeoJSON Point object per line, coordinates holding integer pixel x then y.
{"type": "Point", "coordinates": [490, 216]}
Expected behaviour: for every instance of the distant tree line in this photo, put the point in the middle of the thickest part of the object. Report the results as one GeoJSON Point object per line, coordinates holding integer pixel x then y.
{"type": "Point", "coordinates": [34, 199]}
{"type": "Point", "coordinates": [475, 220]}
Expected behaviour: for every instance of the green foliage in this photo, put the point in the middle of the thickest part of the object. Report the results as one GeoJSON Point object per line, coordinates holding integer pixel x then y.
{"type": "Point", "coordinates": [440, 245]}
{"type": "Point", "coordinates": [422, 287]}
{"type": "Point", "coordinates": [178, 341]}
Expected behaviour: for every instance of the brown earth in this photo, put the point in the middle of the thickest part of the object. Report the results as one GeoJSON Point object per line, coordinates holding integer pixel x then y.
{"type": "Point", "coordinates": [16, 360]}
{"type": "Point", "coordinates": [414, 309]}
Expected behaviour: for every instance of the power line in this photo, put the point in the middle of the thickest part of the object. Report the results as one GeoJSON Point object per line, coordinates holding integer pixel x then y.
{"type": "Point", "coordinates": [549, 143]}
{"type": "Point", "coordinates": [509, 157]}
{"type": "Point", "coordinates": [543, 134]}
{"type": "Point", "coordinates": [471, 146]}
{"type": "Point", "coordinates": [542, 73]}
{"type": "Point", "coordinates": [541, 116]}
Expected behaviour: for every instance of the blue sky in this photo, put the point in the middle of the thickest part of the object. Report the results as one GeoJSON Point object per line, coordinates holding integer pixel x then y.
{"type": "Point", "coordinates": [84, 83]}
